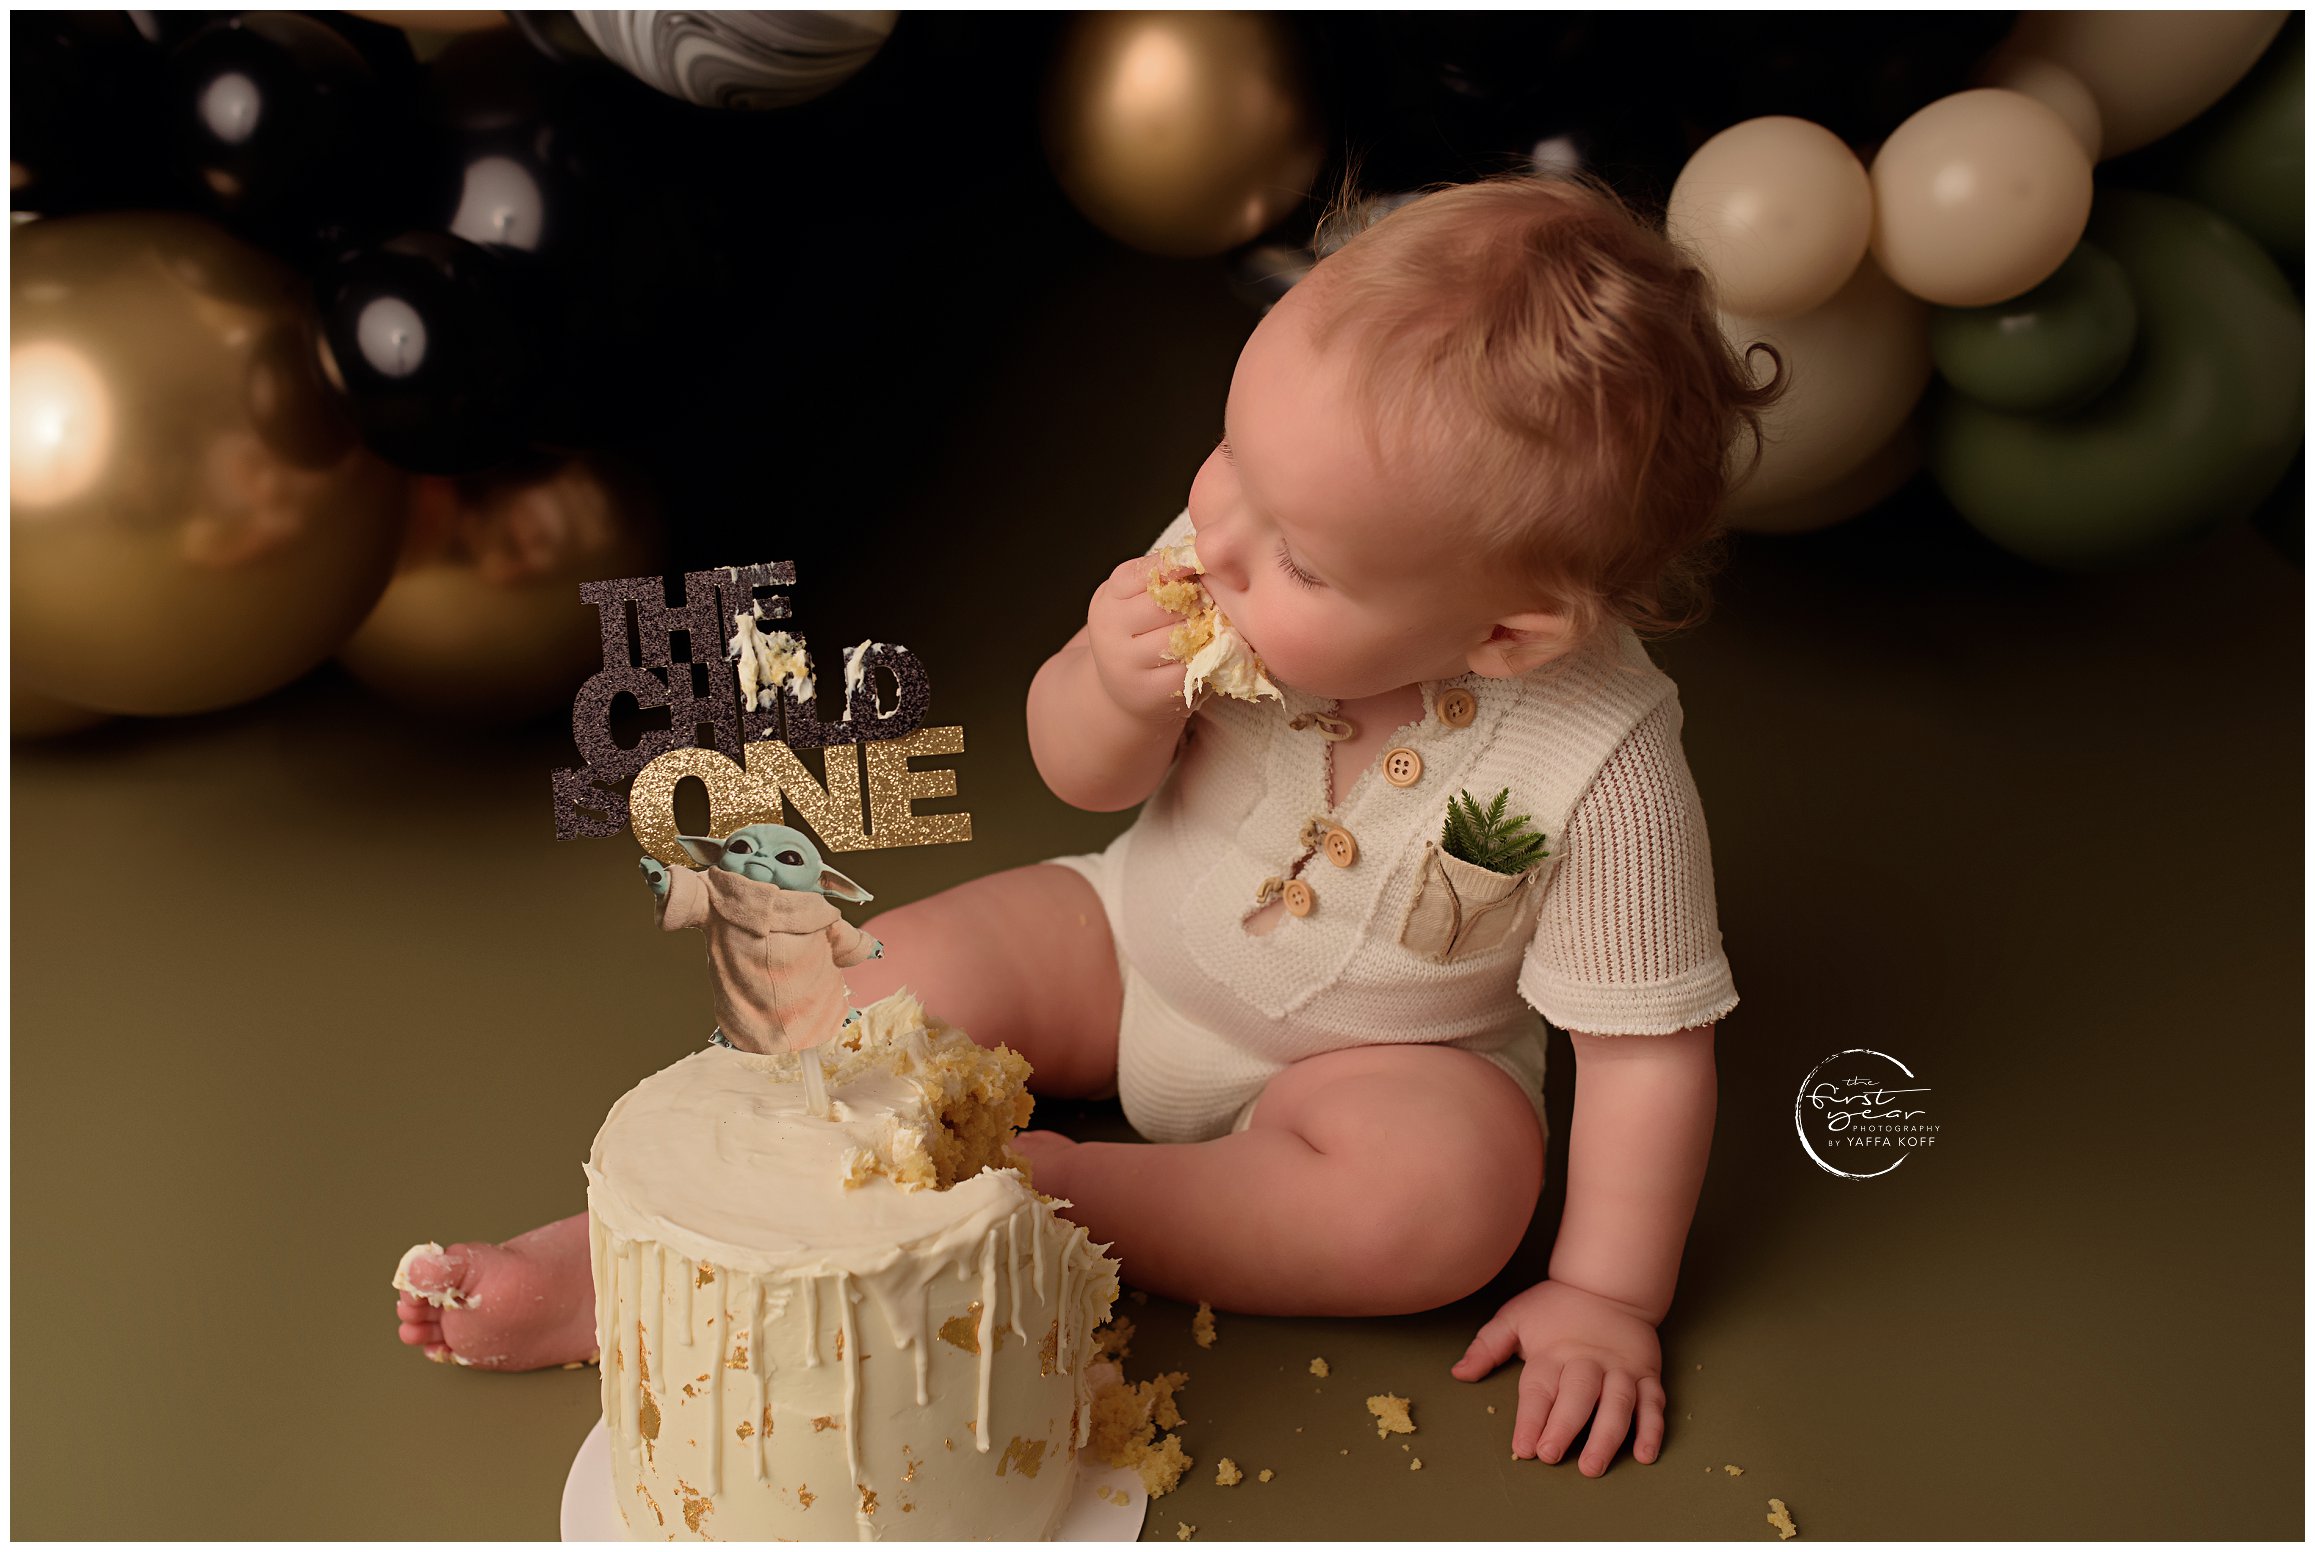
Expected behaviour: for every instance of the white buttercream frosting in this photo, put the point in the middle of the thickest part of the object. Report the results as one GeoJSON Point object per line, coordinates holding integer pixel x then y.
{"type": "Point", "coordinates": [1221, 660]}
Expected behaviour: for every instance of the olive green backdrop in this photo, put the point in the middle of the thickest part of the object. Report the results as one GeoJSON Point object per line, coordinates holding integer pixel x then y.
{"type": "Point", "coordinates": [297, 985]}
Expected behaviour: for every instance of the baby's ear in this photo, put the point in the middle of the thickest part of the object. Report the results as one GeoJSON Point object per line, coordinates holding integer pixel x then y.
{"type": "Point", "coordinates": [705, 849]}
{"type": "Point", "coordinates": [1519, 643]}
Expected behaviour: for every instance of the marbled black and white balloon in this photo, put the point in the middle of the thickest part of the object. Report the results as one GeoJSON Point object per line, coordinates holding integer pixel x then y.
{"type": "Point", "coordinates": [740, 59]}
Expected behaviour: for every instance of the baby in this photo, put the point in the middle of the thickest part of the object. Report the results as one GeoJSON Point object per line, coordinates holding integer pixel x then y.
{"type": "Point", "coordinates": [1465, 461]}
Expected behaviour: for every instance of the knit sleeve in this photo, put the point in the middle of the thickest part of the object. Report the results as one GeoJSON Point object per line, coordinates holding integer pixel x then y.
{"type": "Point", "coordinates": [1628, 942]}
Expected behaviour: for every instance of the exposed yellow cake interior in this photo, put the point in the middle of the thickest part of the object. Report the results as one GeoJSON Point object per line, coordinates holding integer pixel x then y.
{"type": "Point", "coordinates": [1126, 1420]}
{"type": "Point", "coordinates": [1210, 649]}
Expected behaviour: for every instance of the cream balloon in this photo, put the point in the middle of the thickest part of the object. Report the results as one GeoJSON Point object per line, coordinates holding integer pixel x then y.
{"type": "Point", "coordinates": [2054, 86]}
{"type": "Point", "coordinates": [1862, 488]}
{"type": "Point", "coordinates": [1777, 210]}
{"type": "Point", "coordinates": [1856, 367]}
{"type": "Point", "coordinates": [2151, 71]}
{"type": "Point", "coordinates": [1978, 198]}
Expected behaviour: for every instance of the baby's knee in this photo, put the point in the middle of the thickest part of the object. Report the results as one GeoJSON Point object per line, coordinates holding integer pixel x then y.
{"type": "Point", "coordinates": [1416, 1249]}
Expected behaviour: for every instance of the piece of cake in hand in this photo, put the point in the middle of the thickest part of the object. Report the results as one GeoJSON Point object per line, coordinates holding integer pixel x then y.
{"type": "Point", "coordinates": [1213, 652]}
{"type": "Point", "coordinates": [869, 1325]}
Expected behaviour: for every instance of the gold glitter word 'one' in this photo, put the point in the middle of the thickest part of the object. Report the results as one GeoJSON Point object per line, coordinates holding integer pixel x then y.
{"type": "Point", "coordinates": [774, 777]}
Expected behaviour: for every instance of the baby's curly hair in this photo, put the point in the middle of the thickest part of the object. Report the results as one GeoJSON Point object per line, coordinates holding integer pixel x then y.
{"type": "Point", "coordinates": [1608, 401]}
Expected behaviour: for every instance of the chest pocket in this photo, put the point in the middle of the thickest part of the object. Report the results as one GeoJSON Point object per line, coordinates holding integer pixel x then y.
{"type": "Point", "coordinates": [1459, 910]}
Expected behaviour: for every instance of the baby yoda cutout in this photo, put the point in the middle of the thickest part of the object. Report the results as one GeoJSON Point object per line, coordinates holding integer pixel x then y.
{"type": "Point", "coordinates": [774, 942]}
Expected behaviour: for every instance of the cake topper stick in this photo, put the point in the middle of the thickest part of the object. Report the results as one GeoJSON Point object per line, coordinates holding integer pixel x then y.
{"type": "Point", "coordinates": [775, 944]}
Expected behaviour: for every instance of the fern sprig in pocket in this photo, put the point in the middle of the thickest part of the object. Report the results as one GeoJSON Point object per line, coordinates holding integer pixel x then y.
{"type": "Point", "coordinates": [1484, 838]}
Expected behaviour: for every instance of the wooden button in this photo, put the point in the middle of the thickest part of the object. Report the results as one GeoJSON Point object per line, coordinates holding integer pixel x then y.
{"type": "Point", "coordinates": [1299, 899]}
{"type": "Point", "coordinates": [1457, 708]}
{"type": "Point", "coordinates": [1402, 767]}
{"type": "Point", "coordinates": [1341, 847]}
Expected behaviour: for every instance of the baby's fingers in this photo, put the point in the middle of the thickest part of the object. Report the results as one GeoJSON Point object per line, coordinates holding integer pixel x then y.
{"type": "Point", "coordinates": [1610, 1424]}
{"type": "Point", "coordinates": [1489, 1350]}
{"type": "Point", "coordinates": [1648, 1439]}
{"type": "Point", "coordinates": [1579, 1392]}
{"type": "Point", "coordinates": [1539, 1386]}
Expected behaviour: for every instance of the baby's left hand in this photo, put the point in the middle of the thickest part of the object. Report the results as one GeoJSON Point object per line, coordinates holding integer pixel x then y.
{"type": "Point", "coordinates": [1581, 1351]}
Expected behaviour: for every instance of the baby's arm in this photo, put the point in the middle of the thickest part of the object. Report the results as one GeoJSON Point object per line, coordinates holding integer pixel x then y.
{"type": "Point", "coordinates": [1106, 711]}
{"type": "Point", "coordinates": [1644, 1107]}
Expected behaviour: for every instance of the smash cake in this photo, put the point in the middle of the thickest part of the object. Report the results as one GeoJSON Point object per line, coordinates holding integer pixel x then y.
{"type": "Point", "coordinates": [864, 1325]}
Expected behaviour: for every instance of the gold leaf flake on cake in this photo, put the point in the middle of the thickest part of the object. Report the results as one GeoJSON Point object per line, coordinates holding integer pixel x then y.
{"type": "Point", "coordinates": [964, 1331]}
{"type": "Point", "coordinates": [746, 1429]}
{"type": "Point", "coordinates": [1781, 1517]}
{"type": "Point", "coordinates": [1025, 1456]}
{"type": "Point", "coordinates": [839, 1344]}
{"type": "Point", "coordinates": [867, 1499]}
{"type": "Point", "coordinates": [739, 1353]}
{"type": "Point", "coordinates": [1047, 1362]}
{"type": "Point", "coordinates": [697, 1506]}
{"type": "Point", "coordinates": [823, 1424]}
{"type": "Point", "coordinates": [805, 1495]}
{"type": "Point", "coordinates": [1319, 1368]}
{"type": "Point", "coordinates": [1213, 654]}
{"type": "Point", "coordinates": [647, 1416]}
{"type": "Point", "coordinates": [1227, 1473]}
{"type": "Point", "coordinates": [653, 1503]}
{"type": "Point", "coordinates": [706, 1275]}
{"type": "Point", "coordinates": [1390, 1414]}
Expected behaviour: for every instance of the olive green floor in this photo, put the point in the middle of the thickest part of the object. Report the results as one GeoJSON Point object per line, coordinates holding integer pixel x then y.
{"type": "Point", "coordinates": [297, 985]}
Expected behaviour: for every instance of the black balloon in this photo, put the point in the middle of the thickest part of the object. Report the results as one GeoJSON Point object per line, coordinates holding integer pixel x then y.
{"type": "Point", "coordinates": [580, 169]}
{"type": "Point", "coordinates": [294, 130]}
{"type": "Point", "coordinates": [84, 129]}
{"type": "Point", "coordinates": [434, 343]}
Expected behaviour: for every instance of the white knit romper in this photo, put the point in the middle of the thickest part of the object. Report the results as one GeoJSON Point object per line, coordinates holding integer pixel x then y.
{"type": "Point", "coordinates": [1616, 932]}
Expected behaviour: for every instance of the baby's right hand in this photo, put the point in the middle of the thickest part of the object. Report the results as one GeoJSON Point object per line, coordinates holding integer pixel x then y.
{"type": "Point", "coordinates": [1128, 632]}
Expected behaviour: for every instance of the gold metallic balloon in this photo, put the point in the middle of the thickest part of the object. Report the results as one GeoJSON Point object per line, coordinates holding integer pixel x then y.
{"type": "Point", "coordinates": [483, 618]}
{"type": "Point", "coordinates": [1182, 132]}
{"type": "Point", "coordinates": [192, 523]}
{"type": "Point", "coordinates": [34, 715]}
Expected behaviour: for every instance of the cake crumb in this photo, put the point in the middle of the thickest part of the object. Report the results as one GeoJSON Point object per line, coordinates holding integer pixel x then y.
{"type": "Point", "coordinates": [1126, 1422]}
{"type": "Point", "coordinates": [1416, 1464]}
{"type": "Point", "coordinates": [1186, 1532]}
{"type": "Point", "coordinates": [1781, 1517]}
{"type": "Point", "coordinates": [1227, 1473]}
{"type": "Point", "coordinates": [1318, 1367]}
{"type": "Point", "coordinates": [1491, 1411]}
{"type": "Point", "coordinates": [1390, 1414]}
{"type": "Point", "coordinates": [1202, 1325]}
{"type": "Point", "coordinates": [1265, 1475]}
{"type": "Point", "coordinates": [1734, 1471]}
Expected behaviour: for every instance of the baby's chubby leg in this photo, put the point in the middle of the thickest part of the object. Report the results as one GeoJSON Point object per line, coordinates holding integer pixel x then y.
{"type": "Point", "coordinates": [1023, 957]}
{"type": "Point", "coordinates": [1376, 1180]}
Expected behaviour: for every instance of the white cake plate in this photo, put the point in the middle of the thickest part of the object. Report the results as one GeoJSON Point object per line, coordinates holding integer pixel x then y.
{"type": "Point", "coordinates": [590, 1515]}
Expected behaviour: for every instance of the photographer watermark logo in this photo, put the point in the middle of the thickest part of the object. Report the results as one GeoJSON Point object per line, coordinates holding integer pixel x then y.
{"type": "Point", "coordinates": [1862, 1113]}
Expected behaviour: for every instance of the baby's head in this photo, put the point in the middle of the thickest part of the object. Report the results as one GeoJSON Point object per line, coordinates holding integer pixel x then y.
{"type": "Point", "coordinates": [1489, 428]}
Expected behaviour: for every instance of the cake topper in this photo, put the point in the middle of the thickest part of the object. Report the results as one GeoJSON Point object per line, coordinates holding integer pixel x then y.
{"type": "Point", "coordinates": [742, 703]}
{"type": "Point", "coordinates": [775, 944]}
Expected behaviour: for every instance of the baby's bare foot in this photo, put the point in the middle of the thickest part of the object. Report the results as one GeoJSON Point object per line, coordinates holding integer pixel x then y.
{"type": "Point", "coordinates": [526, 1304]}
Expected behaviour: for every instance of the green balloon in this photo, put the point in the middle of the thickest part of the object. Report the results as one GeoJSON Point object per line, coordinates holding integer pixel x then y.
{"type": "Point", "coordinates": [2053, 349]}
{"type": "Point", "coordinates": [2247, 157]}
{"type": "Point", "coordinates": [2196, 432]}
